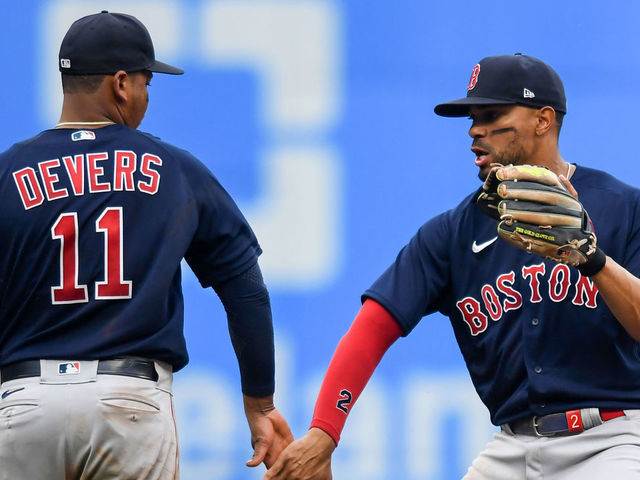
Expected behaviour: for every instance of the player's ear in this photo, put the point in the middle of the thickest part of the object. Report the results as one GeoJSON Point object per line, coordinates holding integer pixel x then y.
{"type": "Point", "coordinates": [119, 84]}
{"type": "Point", "coordinates": [546, 118]}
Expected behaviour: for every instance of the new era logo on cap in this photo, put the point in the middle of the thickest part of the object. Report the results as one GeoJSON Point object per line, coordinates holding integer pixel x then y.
{"type": "Point", "coordinates": [528, 93]}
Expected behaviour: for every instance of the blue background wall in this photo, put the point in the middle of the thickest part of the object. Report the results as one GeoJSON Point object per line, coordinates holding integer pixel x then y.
{"type": "Point", "coordinates": [317, 116]}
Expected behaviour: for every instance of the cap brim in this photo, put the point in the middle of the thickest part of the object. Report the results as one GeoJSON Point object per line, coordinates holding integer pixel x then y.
{"type": "Point", "coordinates": [460, 107]}
{"type": "Point", "coordinates": [160, 67]}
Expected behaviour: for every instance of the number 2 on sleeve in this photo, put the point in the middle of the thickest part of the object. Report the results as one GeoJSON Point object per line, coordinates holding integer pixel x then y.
{"type": "Point", "coordinates": [345, 400]}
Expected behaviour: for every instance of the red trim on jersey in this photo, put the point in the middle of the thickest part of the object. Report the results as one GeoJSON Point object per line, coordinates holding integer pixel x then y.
{"type": "Point", "coordinates": [356, 357]}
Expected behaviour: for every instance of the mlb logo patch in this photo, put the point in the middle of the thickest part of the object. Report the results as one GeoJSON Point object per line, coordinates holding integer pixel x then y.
{"type": "Point", "coordinates": [65, 63]}
{"type": "Point", "coordinates": [83, 135]}
{"type": "Point", "coordinates": [69, 368]}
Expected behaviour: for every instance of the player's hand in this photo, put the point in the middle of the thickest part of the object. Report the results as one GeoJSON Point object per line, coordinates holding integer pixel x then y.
{"type": "Point", "coordinates": [308, 458]}
{"type": "Point", "coordinates": [270, 433]}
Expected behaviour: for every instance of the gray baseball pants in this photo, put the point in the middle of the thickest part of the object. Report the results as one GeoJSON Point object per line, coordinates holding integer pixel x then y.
{"type": "Point", "coordinates": [88, 426]}
{"type": "Point", "coordinates": [610, 451]}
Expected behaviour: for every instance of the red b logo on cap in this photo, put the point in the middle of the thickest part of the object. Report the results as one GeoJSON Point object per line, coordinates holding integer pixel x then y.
{"type": "Point", "coordinates": [474, 77]}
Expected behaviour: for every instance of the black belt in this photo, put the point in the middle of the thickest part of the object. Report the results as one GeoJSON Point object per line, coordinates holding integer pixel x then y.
{"type": "Point", "coordinates": [557, 424]}
{"type": "Point", "coordinates": [128, 367]}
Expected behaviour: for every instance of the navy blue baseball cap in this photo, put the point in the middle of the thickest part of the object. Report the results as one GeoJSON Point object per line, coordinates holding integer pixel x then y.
{"type": "Point", "coordinates": [509, 79]}
{"type": "Point", "coordinates": [105, 43]}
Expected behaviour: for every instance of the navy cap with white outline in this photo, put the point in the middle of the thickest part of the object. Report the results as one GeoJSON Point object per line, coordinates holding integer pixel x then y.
{"type": "Point", "coordinates": [105, 43]}
{"type": "Point", "coordinates": [509, 79]}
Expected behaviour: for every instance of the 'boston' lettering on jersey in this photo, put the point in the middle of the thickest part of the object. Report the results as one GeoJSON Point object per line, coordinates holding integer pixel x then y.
{"type": "Point", "coordinates": [558, 283]}
{"type": "Point", "coordinates": [36, 186]}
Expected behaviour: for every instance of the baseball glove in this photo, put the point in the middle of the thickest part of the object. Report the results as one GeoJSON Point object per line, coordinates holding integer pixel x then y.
{"type": "Point", "coordinates": [537, 213]}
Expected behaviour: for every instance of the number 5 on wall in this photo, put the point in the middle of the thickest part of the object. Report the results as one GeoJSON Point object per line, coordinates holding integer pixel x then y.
{"type": "Point", "coordinates": [114, 286]}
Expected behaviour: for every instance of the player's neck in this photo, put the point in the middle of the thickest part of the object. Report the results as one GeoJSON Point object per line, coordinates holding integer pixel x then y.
{"type": "Point", "coordinates": [72, 119]}
{"type": "Point", "coordinates": [549, 156]}
{"type": "Point", "coordinates": [88, 111]}
{"type": "Point", "coordinates": [83, 124]}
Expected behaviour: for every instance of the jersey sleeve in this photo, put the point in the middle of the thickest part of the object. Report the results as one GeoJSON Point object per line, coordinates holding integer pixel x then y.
{"type": "Point", "coordinates": [224, 244]}
{"type": "Point", "coordinates": [415, 284]}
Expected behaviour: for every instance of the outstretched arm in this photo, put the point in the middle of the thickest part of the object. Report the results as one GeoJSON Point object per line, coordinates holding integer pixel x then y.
{"type": "Point", "coordinates": [246, 301]}
{"type": "Point", "coordinates": [373, 331]}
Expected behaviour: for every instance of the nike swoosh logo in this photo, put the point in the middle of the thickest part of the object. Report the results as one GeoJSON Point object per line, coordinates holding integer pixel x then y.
{"type": "Point", "coordinates": [477, 248]}
{"type": "Point", "coordinates": [9, 392]}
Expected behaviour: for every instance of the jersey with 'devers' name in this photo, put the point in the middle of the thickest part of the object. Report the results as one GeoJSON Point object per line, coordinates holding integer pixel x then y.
{"type": "Point", "coordinates": [536, 336]}
{"type": "Point", "coordinates": [94, 226]}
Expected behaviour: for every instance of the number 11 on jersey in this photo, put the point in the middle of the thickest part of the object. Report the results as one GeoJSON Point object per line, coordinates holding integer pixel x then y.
{"type": "Point", "coordinates": [114, 286]}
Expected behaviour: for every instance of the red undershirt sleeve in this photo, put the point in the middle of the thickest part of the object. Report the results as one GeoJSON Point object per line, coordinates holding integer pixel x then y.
{"type": "Point", "coordinates": [356, 357]}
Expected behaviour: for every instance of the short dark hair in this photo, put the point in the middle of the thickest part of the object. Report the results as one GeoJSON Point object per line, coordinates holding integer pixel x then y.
{"type": "Point", "coordinates": [81, 83]}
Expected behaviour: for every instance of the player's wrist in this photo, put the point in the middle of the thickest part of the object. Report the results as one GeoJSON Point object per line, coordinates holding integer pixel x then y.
{"type": "Point", "coordinates": [322, 438]}
{"type": "Point", "coordinates": [258, 405]}
{"type": "Point", "coordinates": [327, 428]}
{"type": "Point", "coordinates": [595, 262]}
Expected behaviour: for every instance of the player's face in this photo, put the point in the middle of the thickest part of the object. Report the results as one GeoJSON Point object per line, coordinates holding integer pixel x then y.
{"type": "Point", "coordinates": [139, 99]}
{"type": "Point", "coordinates": [502, 134]}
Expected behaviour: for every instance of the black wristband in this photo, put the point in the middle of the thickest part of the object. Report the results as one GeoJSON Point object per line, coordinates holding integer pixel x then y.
{"type": "Point", "coordinates": [594, 264]}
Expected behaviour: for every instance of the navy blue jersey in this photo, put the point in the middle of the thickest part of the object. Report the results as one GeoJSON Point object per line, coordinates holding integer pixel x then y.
{"type": "Point", "coordinates": [535, 335]}
{"type": "Point", "coordinates": [94, 226]}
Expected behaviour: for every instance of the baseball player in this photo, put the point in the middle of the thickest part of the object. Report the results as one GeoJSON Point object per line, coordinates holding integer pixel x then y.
{"type": "Point", "coordinates": [552, 349]}
{"type": "Point", "coordinates": [96, 218]}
